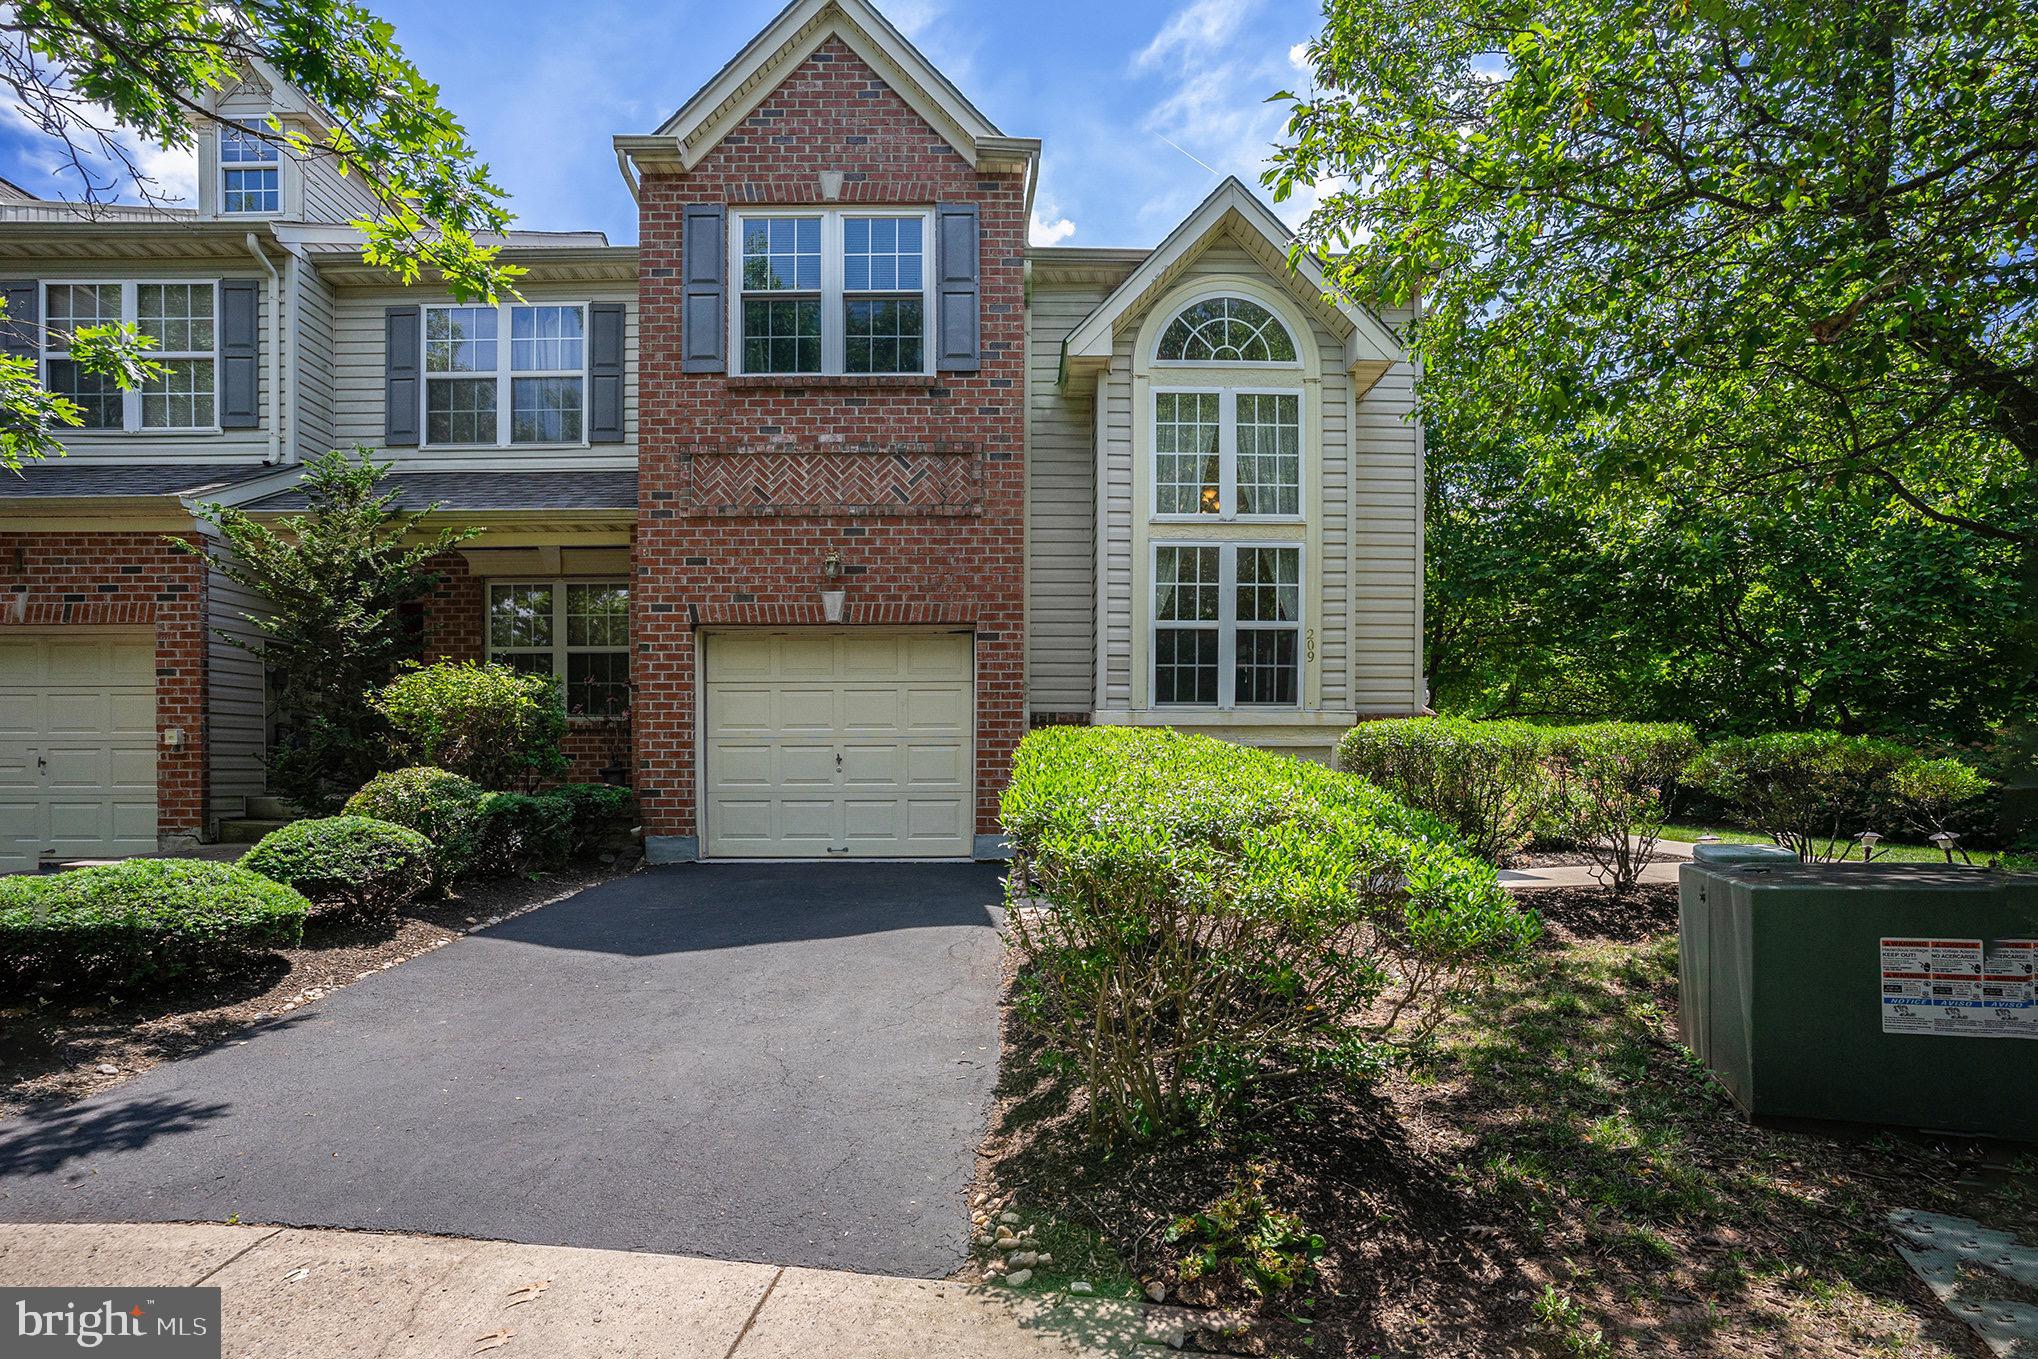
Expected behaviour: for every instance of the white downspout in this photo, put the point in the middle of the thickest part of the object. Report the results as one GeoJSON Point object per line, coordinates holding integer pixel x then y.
{"type": "Point", "coordinates": [275, 349]}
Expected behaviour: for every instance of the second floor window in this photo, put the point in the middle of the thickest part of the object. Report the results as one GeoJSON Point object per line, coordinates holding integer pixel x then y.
{"type": "Point", "coordinates": [249, 172]}
{"type": "Point", "coordinates": [178, 316]}
{"type": "Point", "coordinates": [832, 292]}
{"type": "Point", "coordinates": [505, 375]}
{"type": "Point", "coordinates": [1227, 454]}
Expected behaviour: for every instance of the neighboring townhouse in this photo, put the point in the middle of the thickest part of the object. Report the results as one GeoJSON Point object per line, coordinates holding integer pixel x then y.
{"type": "Point", "coordinates": [816, 500]}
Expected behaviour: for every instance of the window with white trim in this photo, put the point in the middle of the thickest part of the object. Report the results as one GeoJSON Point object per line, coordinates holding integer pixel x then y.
{"type": "Point", "coordinates": [1227, 454]}
{"type": "Point", "coordinates": [514, 374]}
{"type": "Point", "coordinates": [1226, 330]}
{"type": "Point", "coordinates": [1227, 625]}
{"type": "Point", "coordinates": [831, 292]}
{"type": "Point", "coordinates": [179, 317]}
{"type": "Point", "coordinates": [578, 631]}
{"type": "Point", "coordinates": [250, 172]}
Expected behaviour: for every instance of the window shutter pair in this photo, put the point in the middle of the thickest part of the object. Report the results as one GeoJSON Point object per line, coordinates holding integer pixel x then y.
{"type": "Point", "coordinates": [704, 302]}
{"type": "Point", "coordinates": [402, 374]}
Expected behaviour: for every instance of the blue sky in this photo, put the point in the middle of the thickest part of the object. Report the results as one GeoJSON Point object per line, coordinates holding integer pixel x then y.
{"type": "Point", "coordinates": [1105, 84]}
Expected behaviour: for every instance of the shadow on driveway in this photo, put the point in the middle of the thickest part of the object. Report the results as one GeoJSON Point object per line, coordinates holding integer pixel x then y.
{"type": "Point", "coordinates": [786, 1063]}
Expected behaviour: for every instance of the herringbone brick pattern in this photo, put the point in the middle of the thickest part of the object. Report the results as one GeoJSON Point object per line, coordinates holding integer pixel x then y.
{"type": "Point", "coordinates": [778, 481]}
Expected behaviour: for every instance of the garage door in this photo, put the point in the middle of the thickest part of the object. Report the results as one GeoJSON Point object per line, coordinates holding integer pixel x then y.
{"type": "Point", "coordinates": [77, 746]}
{"type": "Point", "coordinates": [845, 744]}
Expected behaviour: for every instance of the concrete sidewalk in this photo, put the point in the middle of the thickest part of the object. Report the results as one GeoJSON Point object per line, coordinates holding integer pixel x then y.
{"type": "Point", "coordinates": [289, 1293]}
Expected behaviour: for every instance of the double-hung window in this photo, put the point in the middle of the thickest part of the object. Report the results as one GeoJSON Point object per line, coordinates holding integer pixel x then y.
{"type": "Point", "coordinates": [578, 631]}
{"type": "Point", "coordinates": [179, 317]}
{"type": "Point", "coordinates": [506, 375]}
{"type": "Point", "coordinates": [831, 292]}
{"type": "Point", "coordinates": [249, 172]}
{"type": "Point", "coordinates": [1227, 454]}
{"type": "Point", "coordinates": [1227, 625]}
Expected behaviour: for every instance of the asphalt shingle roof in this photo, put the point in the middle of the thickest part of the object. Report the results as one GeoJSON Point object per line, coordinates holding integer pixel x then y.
{"type": "Point", "coordinates": [55, 480]}
{"type": "Point", "coordinates": [493, 491]}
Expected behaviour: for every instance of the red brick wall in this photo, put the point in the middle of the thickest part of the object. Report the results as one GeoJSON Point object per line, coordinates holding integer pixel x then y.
{"type": "Point", "coordinates": [103, 579]}
{"type": "Point", "coordinates": [832, 113]}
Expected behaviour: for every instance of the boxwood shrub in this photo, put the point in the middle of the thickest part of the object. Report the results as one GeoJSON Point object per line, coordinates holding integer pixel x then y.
{"type": "Point", "coordinates": [1485, 780]}
{"type": "Point", "coordinates": [446, 809]}
{"type": "Point", "coordinates": [142, 922]}
{"type": "Point", "coordinates": [1612, 784]}
{"type": "Point", "coordinates": [347, 864]}
{"type": "Point", "coordinates": [599, 814]}
{"type": "Point", "coordinates": [1200, 912]}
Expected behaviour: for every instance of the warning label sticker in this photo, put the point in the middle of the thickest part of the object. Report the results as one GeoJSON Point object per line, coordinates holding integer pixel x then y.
{"type": "Point", "coordinates": [1960, 988]}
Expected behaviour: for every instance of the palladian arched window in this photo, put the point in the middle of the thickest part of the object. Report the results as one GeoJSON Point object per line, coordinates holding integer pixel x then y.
{"type": "Point", "coordinates": [1226, 330]}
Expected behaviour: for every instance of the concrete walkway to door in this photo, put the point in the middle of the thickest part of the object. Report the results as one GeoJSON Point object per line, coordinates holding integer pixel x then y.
{"type": "Point", "coordinates": [789, 1064]}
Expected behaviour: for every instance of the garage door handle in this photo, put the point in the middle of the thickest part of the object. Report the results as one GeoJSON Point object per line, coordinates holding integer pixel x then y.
{"type": "Point", "coordinates": [838, 759]}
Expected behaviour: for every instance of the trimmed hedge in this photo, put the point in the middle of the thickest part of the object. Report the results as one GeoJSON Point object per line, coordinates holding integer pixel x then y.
{"type": "Point", "coordinates": [1485, 780]}
{"type": "Point", "coordinates": [350, 864]}
{"type": "Point", "coordinates": [446, 809]}
{"type": "Point", "coordinates": [600, 814]}
{"type": "Point", "coordinates": [1610, 782]}
{"type": "Point", "coordinates": [498, 726]}
{"type": "Point", "coordinates": [1204, 909]}
{"type": "Point", "coordinates": [142, 922]}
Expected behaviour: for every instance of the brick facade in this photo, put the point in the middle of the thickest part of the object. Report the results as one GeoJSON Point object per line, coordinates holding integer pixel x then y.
{"type": "Point", "coordinates": [63, 580]}
{"type": "Point", "coordinates": [948, 551]}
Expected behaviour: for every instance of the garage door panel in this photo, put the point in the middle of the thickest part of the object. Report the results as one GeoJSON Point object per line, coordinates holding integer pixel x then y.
{"type": "Point", "coordinates": [86, 705]}
{"type": "Point", "coordinates": [743, 766]}
{"type": "Point", "coordinates": [746, 709]}
{"type": "Point", "coordinates": [895, 708]}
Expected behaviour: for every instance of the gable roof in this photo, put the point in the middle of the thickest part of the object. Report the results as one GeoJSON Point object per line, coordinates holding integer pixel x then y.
{"type": "Point", "coordinates": [800, 28]}
{"type": "Point", "coordinates": [1371, 348]}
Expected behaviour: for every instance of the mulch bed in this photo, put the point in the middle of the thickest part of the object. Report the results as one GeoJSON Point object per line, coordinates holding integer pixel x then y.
{"type": "Point", "coordinates": [1553, 1175]}
{"type": "Point", "coordinates": [56, 1051]}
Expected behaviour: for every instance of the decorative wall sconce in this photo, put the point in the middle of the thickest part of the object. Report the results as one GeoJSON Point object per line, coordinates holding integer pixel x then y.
{"type": "Point", "coordinates": [832, 600]}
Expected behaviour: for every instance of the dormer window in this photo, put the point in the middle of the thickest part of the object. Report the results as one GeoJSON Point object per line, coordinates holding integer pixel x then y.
{"type": "Point", "coordinates": [250, 172]}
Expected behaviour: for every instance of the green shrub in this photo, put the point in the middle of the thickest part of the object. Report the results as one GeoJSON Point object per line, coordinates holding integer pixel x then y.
{"type": "Point", "coordinates": [488, 723]}
{"type": "Point", "coordinates": [441, 806]}
{"type": "Point", "coordinates": [1813, 791]}
{"type": "Point", "coordinates": [1269, 1250]}
{"type": "Point", "coordinates": [527, 833]}
{"type": "Point", "coordinates": [1611, 780]}
{"type": "Point", "coordinates": [142, 922]}
{"type": "Point", "coordinates": [351, 864]}
{"type": "Point", "coordinates": [1204, 910]}
{"type": "Point", "coordinates": [600, 815]}
{"type": "Point", "coordinates": [1485, 780]}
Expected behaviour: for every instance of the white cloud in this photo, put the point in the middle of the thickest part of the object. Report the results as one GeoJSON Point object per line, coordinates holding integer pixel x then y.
{"type": "Point", "coordinates": [1298, 57]}
{"type": "Point", "coordinates": [1044, 232]}
{"type": "Point", "coordinates": [911, 17]}
{"type": "Point", "coordinates": [169, 175]}
{"type": "Point", "coordinates": [1195, 30]}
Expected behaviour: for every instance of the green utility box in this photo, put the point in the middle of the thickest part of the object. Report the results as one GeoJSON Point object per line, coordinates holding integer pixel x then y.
{"type": "Point", "coordinates": [1872, 993]}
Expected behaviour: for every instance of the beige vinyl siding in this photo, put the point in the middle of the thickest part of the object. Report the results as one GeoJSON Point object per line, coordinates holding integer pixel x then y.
{"type": "Point", "coordinates": [143, 445]}
{"type": "Point", "coordinates": [329, 196]}
{"type": "Point", "coordinates": [308, 365]}
{"type": "Point", "coordinates": [1061, 510]}
{"type": "Point", "coordinates": [1364, 505]}
{"type": "Point", "coordinates": [358, 356]}
{"type": "Point", "coordinates": [236, 701]}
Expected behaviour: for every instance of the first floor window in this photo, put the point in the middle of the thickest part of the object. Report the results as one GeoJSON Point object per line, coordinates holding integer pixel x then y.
{"type": "Point", "coordinates": [505, 375]}
{"type": "Point", "coordinates": [179, 317]}
{"type": "Point", "coordinates": [1227, 623]}
{"type": "Point", "coordinates": [576, 631]}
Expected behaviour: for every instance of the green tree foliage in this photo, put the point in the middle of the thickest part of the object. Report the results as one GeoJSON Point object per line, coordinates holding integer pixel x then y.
{"type": "Point", "coordinates": [1737, 275]}
{"type": "Point", "coordinates": [489, 723]}
{"type": "Point", "coordinates": [336, 578]}
{"type": "Point", "coordinates": [93, 77]}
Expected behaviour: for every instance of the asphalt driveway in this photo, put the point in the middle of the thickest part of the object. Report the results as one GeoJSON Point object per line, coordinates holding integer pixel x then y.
{"type": "Point", "coordinates": [789, 1064]}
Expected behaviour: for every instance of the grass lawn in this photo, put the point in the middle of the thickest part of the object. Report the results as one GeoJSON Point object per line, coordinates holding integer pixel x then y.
{"type": "Point", "coordinates": [1890, 850]}
{"type": "Point", "coordinates": [1553, 1174]}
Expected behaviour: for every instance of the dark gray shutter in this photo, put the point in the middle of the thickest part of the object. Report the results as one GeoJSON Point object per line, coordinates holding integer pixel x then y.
{"type": "Point", "coordinates": [20, 336]}
{"type": "Point", "coordinates": [704, 320]}
{"type": "Point", "coordinates": [958, 302]}
{"type": "Point", "coordinates": [605, 372]}
{"type": "Point", "coordinates": [239, 354]}
{"type": "Point", "coordinates": [400, 377]}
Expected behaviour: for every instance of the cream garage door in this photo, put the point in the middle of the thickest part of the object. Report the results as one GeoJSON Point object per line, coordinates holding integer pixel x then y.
{"type": "Point", "coordinates": [77, 746]}
{"type": "Point", "coordinates": [843, 743]}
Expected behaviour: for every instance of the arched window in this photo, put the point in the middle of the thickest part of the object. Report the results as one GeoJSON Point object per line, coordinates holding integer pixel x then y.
{"type": "Point", "coordinates": [1226, 330]}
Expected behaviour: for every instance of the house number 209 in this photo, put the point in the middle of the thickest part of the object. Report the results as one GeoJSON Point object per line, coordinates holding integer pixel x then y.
{"type": "Point", "coordinates": [1309, 644]}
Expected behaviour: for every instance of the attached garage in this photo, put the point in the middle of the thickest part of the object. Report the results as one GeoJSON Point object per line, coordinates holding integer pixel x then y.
{"type": "Point", "coordinates": [837, 744]}
{"type": "Point", "coordinates": [77, 745]}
